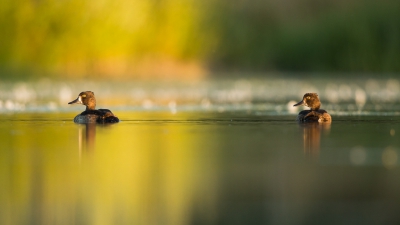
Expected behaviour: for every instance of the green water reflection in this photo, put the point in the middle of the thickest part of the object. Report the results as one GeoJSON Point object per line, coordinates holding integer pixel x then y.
{"type": "Point", "coordinates": [192, 168]}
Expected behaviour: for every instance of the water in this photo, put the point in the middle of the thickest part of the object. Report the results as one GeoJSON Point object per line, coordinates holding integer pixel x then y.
{"type": "Point", "coordinates": [236, 167]}
{"type": "Point", "coordinates": [208, 152]}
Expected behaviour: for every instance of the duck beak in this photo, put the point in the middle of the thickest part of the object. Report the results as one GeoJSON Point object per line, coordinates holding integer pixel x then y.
{"type": "Point", "coordinates": [299, 103]}
{"type": "Point", "coordinates": [76, 101]}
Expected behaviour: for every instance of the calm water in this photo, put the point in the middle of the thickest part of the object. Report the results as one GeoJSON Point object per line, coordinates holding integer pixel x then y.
{"type": "Point", "coordinates": [231, 167]}
{"type": "Point", "coordinates": [205, 152]}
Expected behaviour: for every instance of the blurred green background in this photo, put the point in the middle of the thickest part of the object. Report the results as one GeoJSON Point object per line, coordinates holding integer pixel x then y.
{"type": "Point", "coordinates": [193, 39]}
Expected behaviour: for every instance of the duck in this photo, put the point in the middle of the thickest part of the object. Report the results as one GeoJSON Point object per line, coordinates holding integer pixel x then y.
{"type": "Point", "coordinates": [314, 114]}
{"type": "Point", "coordinates": [91, 114]}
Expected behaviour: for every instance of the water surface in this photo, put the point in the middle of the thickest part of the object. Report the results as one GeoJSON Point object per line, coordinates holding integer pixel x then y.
{"type": "Point", "coordinates": [191, 167]}
{"type": "Point", "coordinates": [216, 151]}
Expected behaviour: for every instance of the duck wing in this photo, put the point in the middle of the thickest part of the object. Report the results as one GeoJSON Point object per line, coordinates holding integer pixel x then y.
{"type": "Point", "coordinates": [107, 116]}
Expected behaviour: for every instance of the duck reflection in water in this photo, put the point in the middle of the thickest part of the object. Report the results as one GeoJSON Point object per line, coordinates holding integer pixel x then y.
{"type": "Point", "coordinates": [312, 137]}
{"type": "Point", "coordinates": [87, 136]}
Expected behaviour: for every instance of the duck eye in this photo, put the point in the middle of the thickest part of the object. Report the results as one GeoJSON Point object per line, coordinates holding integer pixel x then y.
{"type": "Point", "coordinates": [83, 96]}
{"type": "Point", "coordinates": [308, 97]}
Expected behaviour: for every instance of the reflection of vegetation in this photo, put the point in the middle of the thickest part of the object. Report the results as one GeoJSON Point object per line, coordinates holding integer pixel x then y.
{"type": "Point", "coordinates": [159, 168]}
{"type": "Point", "coordinates": [125, 37]}
{"type": "Point", "coordinates": [157, 174]}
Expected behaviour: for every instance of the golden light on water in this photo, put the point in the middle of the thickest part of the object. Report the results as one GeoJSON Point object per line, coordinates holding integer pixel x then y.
{"type": "Point", "coordinates": [148, 176]}
{"type": "Point", "coordinates": [160, 167]}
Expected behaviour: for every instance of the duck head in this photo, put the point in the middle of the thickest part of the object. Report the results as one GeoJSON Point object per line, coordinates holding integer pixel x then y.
{"type": "Point", "coordinates": [86, 98]}
{"type": "Point", "coordinates": [310, 100]}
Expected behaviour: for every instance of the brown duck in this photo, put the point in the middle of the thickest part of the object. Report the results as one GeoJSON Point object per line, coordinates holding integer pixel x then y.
{"type": "Point", "coordinates": [91, 114]}
{"type": "Point", "coordinates": [314, 114]}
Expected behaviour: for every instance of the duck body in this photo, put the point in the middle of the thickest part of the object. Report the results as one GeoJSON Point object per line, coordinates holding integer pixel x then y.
{"type": "Point", "coordinates": [91, 114]}
{"type": "Point", "coordinates": [96, 116]}
{"type": "Point", "coordinates": [315, 114]}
